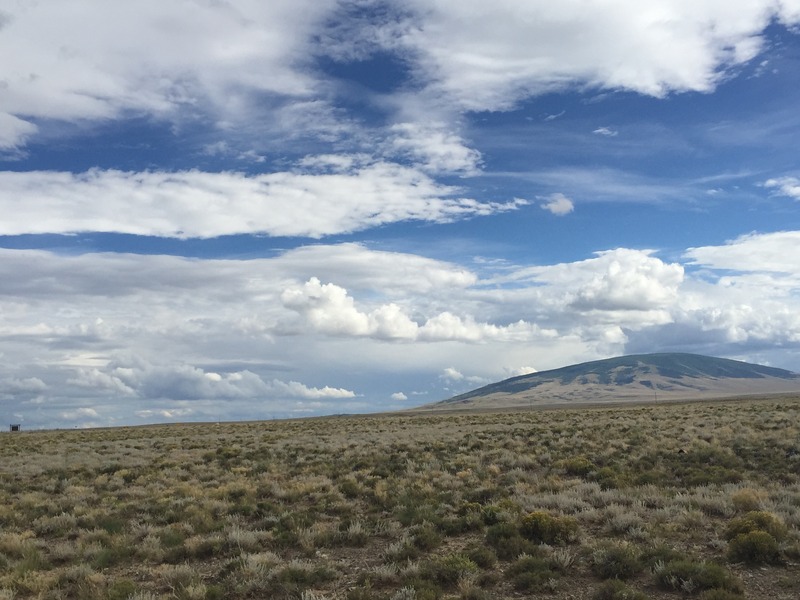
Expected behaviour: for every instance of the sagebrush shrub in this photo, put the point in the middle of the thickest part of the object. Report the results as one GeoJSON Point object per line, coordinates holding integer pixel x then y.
{"type": "Point", "coordinates": [360, 594]}
{"type": "Point", "coordinates": [401, 550]}
{"type": "Point", "coordinates": [747, 499]}
{"type": "Point", "coordinates": [544, 528]}
{"type": "Point", "coordinates": [577, 466]}
{"type": "Point", "coordinates": [616, 560]}
{"type": "Point", "coordinates": [481, 555]}
{"type": "Point", "coordinates": [532, 573]}
{"type": "Point", "coordinates": [474, 593]}
{"type": "Point", "coordinates": [690, 576]}
{"type": "Point", "coordinates": [350, 488]}
{"type": "Point", "coordinates": [507, 542]}
{"type": "Point", "coordinates": [755, 548]}
{"type": "Point", "coordinates": [448, 569]}
{"type": "Point", "coordinates": [756, 520]}
{"type": "Point", "coordinates": [426, 537]}
{"type": "Point", "coordinates": [424, 589]}
{"type": "Point", "coordinates": [614, 589]}
{"type": "Point", "coordinates": [660, 554]}
{"type": "Point", "coordinates": [304, 573]}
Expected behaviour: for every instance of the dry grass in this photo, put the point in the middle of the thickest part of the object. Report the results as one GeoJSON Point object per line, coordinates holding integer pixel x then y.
{"type": "Point", "coordinates": [479, 505]}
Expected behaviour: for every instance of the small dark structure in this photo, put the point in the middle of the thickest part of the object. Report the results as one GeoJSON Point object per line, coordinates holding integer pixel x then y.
{"type": "Point", "coordinates": [14, 427]}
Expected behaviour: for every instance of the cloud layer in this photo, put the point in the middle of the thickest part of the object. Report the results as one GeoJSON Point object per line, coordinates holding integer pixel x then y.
{"type": "Point", "coordinates": [83, 348]}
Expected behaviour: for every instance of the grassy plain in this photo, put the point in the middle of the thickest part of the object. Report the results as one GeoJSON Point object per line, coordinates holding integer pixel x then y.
{"type": "Point", "coordinates": [619, 503]}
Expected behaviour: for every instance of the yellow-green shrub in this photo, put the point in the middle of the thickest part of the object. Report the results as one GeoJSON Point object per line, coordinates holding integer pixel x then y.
{"type": "Point", "coordinates": [544, 528]}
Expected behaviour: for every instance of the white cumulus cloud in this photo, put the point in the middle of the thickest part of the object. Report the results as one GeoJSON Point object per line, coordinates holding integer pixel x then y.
{"type": "Point", "coordinates": [614, 280]}
{"type": "Point", "coordinates": [629, 280]}
{"type": "Point", "coordinates": [489, 56]}
{"type": "Point", "coordinates": [452, 374]}
{"type": "Point", "coordinates": [559, 204]}
{"type": "Point", "coordinates": [785, 186]}
{"type": "Point", "coordinates": [329, 309]}
{"type": "Point", "coordinates": [90, 60]}
{"type": "Point", "coordinates": [517, 371]}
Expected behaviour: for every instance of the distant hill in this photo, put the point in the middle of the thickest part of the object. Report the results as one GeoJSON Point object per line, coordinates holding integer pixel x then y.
{"type": "Point", "coordinates": [639, 377]}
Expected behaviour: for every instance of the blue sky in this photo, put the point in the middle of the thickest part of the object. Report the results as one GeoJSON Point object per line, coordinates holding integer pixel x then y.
{"type": "Point", "coordinates": [243, 210]}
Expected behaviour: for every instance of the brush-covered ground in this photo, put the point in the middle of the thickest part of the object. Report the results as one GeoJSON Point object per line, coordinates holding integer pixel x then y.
{"type": "Point", "coordinates": [624, 503]}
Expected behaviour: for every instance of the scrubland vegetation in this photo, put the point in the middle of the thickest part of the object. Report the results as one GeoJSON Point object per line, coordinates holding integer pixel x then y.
{"type": "Point", "coordinates": [682, 501]}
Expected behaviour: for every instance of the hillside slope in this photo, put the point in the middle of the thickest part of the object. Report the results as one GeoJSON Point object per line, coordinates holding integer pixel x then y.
{"type": "Point", "coordinates": [638, 377]}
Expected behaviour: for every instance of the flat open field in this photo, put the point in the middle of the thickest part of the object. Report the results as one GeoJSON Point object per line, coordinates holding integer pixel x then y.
{"type": "Point", "coordinates": [620, 503]}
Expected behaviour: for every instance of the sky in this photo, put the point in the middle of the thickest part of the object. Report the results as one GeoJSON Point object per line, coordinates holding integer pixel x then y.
{"type": "Point", "coordinates": [236, 209]}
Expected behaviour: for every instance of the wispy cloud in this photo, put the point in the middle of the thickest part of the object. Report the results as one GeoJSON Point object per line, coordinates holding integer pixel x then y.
{"type": "Point", "coordinates": [196, 204]}
{"type": "Point", "coordinates": [605, 184]}
{"type": "Point", "coordinates": [770, 252]}
{"type": "Point", "coordinates": [434, 148]}
{"type": "Point", "coordinates": [606, 131]}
